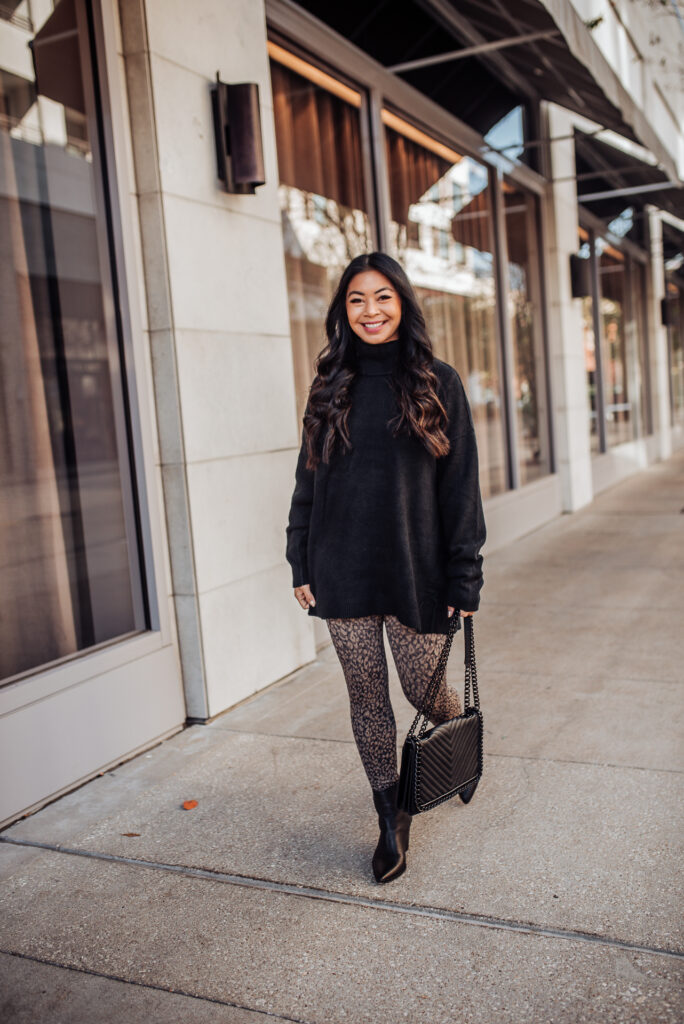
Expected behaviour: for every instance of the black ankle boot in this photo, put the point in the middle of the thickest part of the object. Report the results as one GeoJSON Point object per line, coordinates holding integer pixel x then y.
{"type": "Point", "coordinates": [389, 859]}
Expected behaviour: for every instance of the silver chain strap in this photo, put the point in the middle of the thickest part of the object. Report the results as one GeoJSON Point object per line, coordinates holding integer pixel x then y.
{"type": "Point", "coordinates": [426, 707]}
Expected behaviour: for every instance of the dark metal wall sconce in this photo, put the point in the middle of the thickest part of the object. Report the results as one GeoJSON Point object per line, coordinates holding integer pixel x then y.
{"type": "Point", "coordinates": [580, 276]}
{"type": "Point", "coordinates": [237, 129]}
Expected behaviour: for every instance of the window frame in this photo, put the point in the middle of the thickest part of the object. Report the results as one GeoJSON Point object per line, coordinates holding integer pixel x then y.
{"type": "Point", "coordinates": [143, 590]}
{"type": "Point", "coordinates": [125, 243]}
{"type": "Point", "coordinates": [365, 121]}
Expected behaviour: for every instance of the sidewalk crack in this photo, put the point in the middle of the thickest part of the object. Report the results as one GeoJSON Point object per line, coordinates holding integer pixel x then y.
{"type": "Point", "coordinates": [367, 903]}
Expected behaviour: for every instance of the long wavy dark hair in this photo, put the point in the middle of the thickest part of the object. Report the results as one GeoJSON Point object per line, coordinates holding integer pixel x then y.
{"type": "Point", "coordinates": [420, 411]}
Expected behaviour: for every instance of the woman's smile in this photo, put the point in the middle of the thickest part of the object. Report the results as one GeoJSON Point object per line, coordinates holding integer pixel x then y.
{"type": "Point", "coordinates": [373, 307]}
{"type": "Point", "coordinates": [374, 327]}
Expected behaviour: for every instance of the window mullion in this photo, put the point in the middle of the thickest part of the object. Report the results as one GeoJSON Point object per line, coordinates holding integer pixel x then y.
{"type": "Point", "coordinates": [500, 250]}
{"type": "Point", "coordinates": [380, 176]}
{"type": "Point", "coordinates": [598, 345]}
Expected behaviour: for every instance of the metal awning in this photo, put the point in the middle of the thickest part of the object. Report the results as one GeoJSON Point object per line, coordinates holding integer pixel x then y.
{"type": "Point", "coordinates": [587, 56]}
{"type": "Point", "coordinates": [610, 179]}
{"type": "Point", "coordinates": [480, 58]}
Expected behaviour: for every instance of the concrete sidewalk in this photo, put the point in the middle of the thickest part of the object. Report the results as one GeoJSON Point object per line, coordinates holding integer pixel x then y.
{"type": "Point", "coordinates": [554, 896]}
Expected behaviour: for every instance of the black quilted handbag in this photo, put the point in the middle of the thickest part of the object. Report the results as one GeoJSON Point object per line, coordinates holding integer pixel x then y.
{"type": "Point", "coordinates": [440, 762]}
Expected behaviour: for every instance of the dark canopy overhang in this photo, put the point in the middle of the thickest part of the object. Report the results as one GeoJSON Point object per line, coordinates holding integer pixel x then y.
{"type": "Point", "coordinates": [673, 242]}
{"type": "Point", "coordinates": [610, 179]}
{"type": "Point", "coordinates": [673, 252]}
{"type": "Point", "coordinates": [589, 63]}
{"type": "Point", "coordinates": [501, 53]}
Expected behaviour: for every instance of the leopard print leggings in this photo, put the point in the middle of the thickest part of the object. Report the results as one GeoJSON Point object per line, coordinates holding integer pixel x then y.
{"type": "Point", "coordinates": [360, 648]}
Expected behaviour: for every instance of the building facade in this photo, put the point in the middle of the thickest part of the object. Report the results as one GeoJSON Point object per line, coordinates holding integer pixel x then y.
{"type": "Point", "coordinates": [158, 336]}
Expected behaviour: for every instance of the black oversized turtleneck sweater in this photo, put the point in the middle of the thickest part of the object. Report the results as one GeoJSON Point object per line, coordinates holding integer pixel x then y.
{"type": "Point", "coordinates": [387, 528]}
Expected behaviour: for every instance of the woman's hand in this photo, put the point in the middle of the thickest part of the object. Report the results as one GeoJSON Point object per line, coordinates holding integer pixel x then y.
{"type": "Point", "coordinates": [464, 614]}
{"type": "Point", "coordinates": [304, 596]}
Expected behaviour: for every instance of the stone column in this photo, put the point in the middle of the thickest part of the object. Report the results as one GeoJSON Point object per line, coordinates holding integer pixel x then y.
{"type": "Point", "coordinates": [569, 396]}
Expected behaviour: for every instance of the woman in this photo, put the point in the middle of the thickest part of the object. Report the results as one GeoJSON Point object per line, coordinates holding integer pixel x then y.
{"type": "Point", "coordinates": [386, 519]}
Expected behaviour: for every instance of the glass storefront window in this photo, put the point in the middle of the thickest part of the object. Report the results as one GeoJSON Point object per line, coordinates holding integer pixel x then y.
{"type": "Point", "coordinates": [69, 559]}
{"type": "Point", "coordinates": [585, 251]}
{"type": "Point", "coordinates": [612, 282]}
{"type": "Point", "coordinates": [617, 368]}
{"type": "Point", "coordinates": [322, 196]}
{"type": "Point", "coordinates": [441, 233]}
{"type": "Point", "coordinates": [524, 313]}
{"type": "Point", "coordinates": [440, 228]}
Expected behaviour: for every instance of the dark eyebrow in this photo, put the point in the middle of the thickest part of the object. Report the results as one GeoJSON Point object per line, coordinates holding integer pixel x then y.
{"type": "Point", "coordinates": [385, 288]}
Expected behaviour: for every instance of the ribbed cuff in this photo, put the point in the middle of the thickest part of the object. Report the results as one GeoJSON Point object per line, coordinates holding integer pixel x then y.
{"type": "Point", "coordinates": [462, 599]}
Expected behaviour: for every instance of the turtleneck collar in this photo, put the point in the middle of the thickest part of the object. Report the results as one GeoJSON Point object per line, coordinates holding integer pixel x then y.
{"type": "Point", "coordinates": [378, 359]}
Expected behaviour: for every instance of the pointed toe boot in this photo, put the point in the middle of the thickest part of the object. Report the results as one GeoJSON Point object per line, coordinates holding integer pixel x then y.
{"type": "Point", "coordinates": [389, 859]}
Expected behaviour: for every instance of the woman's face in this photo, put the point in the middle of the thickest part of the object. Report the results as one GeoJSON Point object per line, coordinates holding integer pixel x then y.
{"type": "Point", "coordinates": [373, 307]}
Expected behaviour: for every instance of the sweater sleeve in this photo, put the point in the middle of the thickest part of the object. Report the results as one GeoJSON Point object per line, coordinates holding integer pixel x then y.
{"type": "Point", "coordinates": [297, 531]}
{"type": "Point", "coordinates": [460, 503]}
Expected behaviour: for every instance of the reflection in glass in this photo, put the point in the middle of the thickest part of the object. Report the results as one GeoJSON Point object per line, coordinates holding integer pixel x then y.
{"type": "Point", "coordinates": [612, 284]}
{"type": "Point", "coordinates": [508, 135]}
{"type": "Point", "coordinates": [589, 342]}
{"type": "Point", "coordinates": [524, 305]}
{"type": "Point", "coordinates": [68, 557]}
{"type": "Point", "coordinates": [322, 200]}
{"type": "Point", "coordinates": [441, 234]}
{"type": "Point", "coordinates": [620, 362]}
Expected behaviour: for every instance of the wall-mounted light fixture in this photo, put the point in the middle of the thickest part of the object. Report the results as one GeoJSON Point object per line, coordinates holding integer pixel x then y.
{"type": "Point", "coordinates": [580, 276]}
{"type": "Point", "coordinates": [237, 128]}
